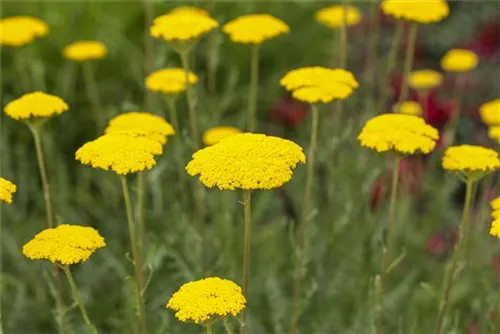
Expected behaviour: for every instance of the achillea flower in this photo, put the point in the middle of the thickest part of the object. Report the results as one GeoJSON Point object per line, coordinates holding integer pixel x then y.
{"type": "Point", "coordinates": [169, 80]}
{"type": "Point", "coordinates": [470, 158]}
{"type": "Point", "coordinates": [255, 28]}
{"type": "Point", "coordinates": [495, 207]}
{"type": "Point", "coordinates": [459, 60]}
{"type": "Point", "coordinates": [21, 30]}
{"type": "Point", "coordinates": [189, 10]}
{"type": "Point", "coordinates": [152, 126]}
{"type": "Point", "coordinates": [207, 300]}
{"type": "Point", "coordinates": [423, 80]}
{"type": "Point", "coordinates": [182, 26]}
{"type": "Point", "coordinates": [333, 16]}
{"type": "Point", "coordinates": [494, 132]}
{"type": "Point", "coordinates": [408, 108]}
{"type": "Point", "coordinates": [122, 153]}
{"type": "Point", "coordinates": [85, 50]}
{"type": "Point", "coordinates": [495, 228]}
{"type": "Point", "coordinates": [35, 105]}
{"type": "Point", "coordinates": [246, 161]}
{"type": "Point", "coordinates": [7, 189]}
{"type": "Point", "coordinates": [65, 244]}
{"type": "Point", "coordinates": [402, 133]}
{"type": "Point", "coordinates": [214, 135]}
{"type": "Point", "coordinates": [490, 112]}
{"type": "Point", "coordinates": [420, 11]}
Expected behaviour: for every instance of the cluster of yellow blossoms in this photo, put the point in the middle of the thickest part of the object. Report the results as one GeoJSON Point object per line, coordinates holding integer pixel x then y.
{"type": "Point", "coordinates": [182, 26]}
{"type": "Point", "coordinates": [459, 60]}
{"type": "Point", "coordinates": [7, 189]}
{"type": "Point", "coordinates": [416, 10]}
{"type": "Point", "coordinates": [35, 105]}
{"type": "Point", "coordinates": [85, 50]}
{"type": "Point", "coordinates": [424, 80]}
{"type": "Point", "coordinates": [333, 16]}
{"type": "Point", "coordinates": [470, 158]}
{"type": "Point", "coordinates": [495, 214]}
{"type": "Point", "coordinates": [169, 80]}
{"type": "Point", "coordinates": [214, 135]}
{"type": "Point", "coordinates": [255, 28]}
{"type": "Point", "coordinates": [408, 108]}
{"type": "Point", "coordinates": [490, 115]}
{"type": "Point", "coordinates": [17, 31]}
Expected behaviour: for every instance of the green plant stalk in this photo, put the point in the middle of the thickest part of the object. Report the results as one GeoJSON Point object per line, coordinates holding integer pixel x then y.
{"type": "Point", "coordinates": [93, 95]}
{"type": "Point", "coordinates": [410, 53]}
{"type": "Point", "coordinates": [457, 95]}
{"type": "Point", "coordinates": [76, 295]}
{"type": "Point", "coordinates": [373, 37]}
{"type": "Point", "coordinates": [193, 120]}
{"type": "Point", "coordinates": [139, 284]}
{"type": "Point", "coordinates": [148, 46]}
{"type": "Point", "coordinates": [141, 192]}
{"type": "Point", "coordinates": [253, 90]}
{"type": "Point", "coordinates": [456, 258]}
{"type": "Point", "coordinates": [247, 242]}
{"type": "Point", "coordinates": [342, 64]}
{"type": "Point", "coordinates": [386, 251]}
{"type": "Point", "coordinates": [24, 80]}
{"type": "Point", "coordinates": [208, 327]}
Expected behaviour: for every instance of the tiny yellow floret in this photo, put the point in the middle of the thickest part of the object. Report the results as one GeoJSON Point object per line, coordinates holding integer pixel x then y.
{"type": "Point", "coordinates": [7, 189]}
{"type": "Point", "coordinates": [470, 158]}
{"type": "Point", "coordinates": [85, 50]}
{"type": "Point", "coordinates": [182, 26]}
{"type": "Point", "coordinates": [333, 16]}
{"type": "Point", "coordinates": [490, 112]}
{"type": "Point", "coordinates": [214, 135]}
{"type": "Point", "coordinates": [169, 80]}
{"type": "Point", "coordinates": [423, 80]}
{"type": "Point", "coordinates": [459, 60]}
{"type": "Point", "coordinates": [419, 11]}
{"type": "Point", "coordinates": [18, 31]}
{"type": "Point", "coordinates": [35, 105]}
{"type": "Point", "coordinates": [255, 28]}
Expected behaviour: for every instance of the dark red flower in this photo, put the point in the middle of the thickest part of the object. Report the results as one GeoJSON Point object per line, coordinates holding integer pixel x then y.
{"type": "Point", "coordinates": [437, 245]}
{"type": "Point", "coordinates": [289, 112]}
{"type": "Point", "coordinates": [486, 43]}
{"type": "Point", "coordinates": [378, 195]}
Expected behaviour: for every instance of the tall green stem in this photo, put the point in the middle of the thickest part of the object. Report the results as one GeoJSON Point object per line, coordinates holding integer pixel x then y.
{"type": "Point", "coordinates": [247, 194]}
{"type": "Point", "coordinates": [79, 301]}
{"type": "Point", "coordinates": [457, 96]}
{"type": "Point", "coordinates": [208, 327]}
{"type": "Point", "coordinates": [386, 256]}
{"type": "Point", "coordinates": [193, 121]}
{"type": "Point", "coordinates": [253, 88]}
{"type": "Point", "coordinates": [451, 269]}
{"type": "Point", "coordinates": [93, 95]}
{"type": "Point", "coordinates": [410, 53]}
{"type": "Point", "coordinates": [139, 284]}
{"type": "Point", "coordinates": [148, 49]}
{"type": "Point", "coordinates": [24, 79]}
{"type": "Point", "coordinates": [140, 211]}
{"type": "Point", "coordinates": [342, 63]}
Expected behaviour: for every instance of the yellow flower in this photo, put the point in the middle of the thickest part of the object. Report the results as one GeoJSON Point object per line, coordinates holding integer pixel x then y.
{"type": "Point", "coordinates": [459, 60]}
{"type": "Point", "coordinates": [36, 104]}
{"type": "Point", "coordinates": [120, 152]}
{"type": "Point", "coordinates": [246, 161]}
{"type": "Point", "coordinates": [323, 94]}
{"type": "Point", "coordinates": [214, 135]}
{"type": "Point", "coordinates": [495, 228]}
{"type": "Point", "coordinates": [85, 50]}
{"type": "Point", "coordinates": [189, 10]}
{"type": "Point", "coordinates": [408, 108]}
{"type": "Point", "coordinates": [152, 126]}
{"type": "Point", "coordinates": [169, 80]}
{"type": "Point", "coordinates": [207, 300]}
{"type": "Point", "coordinates": [402, 133]}
{"type": "Point", "coordinates": [182, 26]}
{"type": "Point", "coordinates": [494, 132]}
{"type": "Point", "coordinates": [333, 16]}
{"type": "Point", "coordinates": [7, 189]}
{"type": "Point", "coordinates": [255, 28]}
{"type": "Point", "coordinates": [425, 79]}
{"type": "Point", "coordinates": [420, 11]}
{"type": "Point", "coordinates": [495, 204]}
{"type": "Point", "coordinates": [490, 112]}
{"type": "Point", "coordinates": [65, 244]}
{"type": "Point", "coordinates": [21, 30]}
{"type": "Point", "coordinates": [470, 158]}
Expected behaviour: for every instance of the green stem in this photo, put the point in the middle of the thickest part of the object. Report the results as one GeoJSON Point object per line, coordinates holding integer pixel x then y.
{"type": "Point", "coordinates": [24, 79]}
{"type": "Point", "coordinates": [410, 53]}
{"type": "Point", "coordinates": [208, 327]}
{"type": "Point", "coordinates": [451, 130]}
{"type": "Point", "coordinates": [386, 251]}
{"type": "Point", "coordinates": [247, 194]}
{"type": "Point", "coordinates": [184, 54]}
{"type": "Point", "coordinates": [451, 270]}
{"type": "Point", "coordinates": [253, 88]}
{"type": "Point", "coordinates": [79, 301]}
{"type": "Point", "coordinates": [140, 211]}
{"type": "Point", "coordinates": [135, 256]}
{"type": "Point", "coordinates": [148, 46]}
{"type": "Point", "coordinates": [93, 95]}
{"type": "Point", "coordinates": [342, 64]}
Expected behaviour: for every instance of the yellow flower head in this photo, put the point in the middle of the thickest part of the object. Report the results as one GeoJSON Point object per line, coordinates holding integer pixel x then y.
{"type": "Point", "coordinates": [422, 80]}
{"type": "Point", "coordinates": [7, 189]}
{"type": "Point", "coordinates": [85, 50]}
{"type": "Point", "coordinates": [255, 28]}
{"type": "Point", "coordinates": [402, 133]}
{"type": "Point", "coordinates": [206, 300]}
{"type": "Point", "coordinates": [246, 161]}
{"type": "Point", "coordinates": [214, 135]}
{"type": "Point", "coordinates": [37, 104]}
{"type": "Point", "coordinates": [490, 112]}
{"type": "Point", "coordinates": [470, 158]}
{"type": "Point", "coordinates": [21, 30]}
{"type": "Point", "coordinates": [65, 244]}
{"type": "Point", "coordinates": [420, 11]}
{"type": "Point", "coordinates": [495, 228]}
{"type": "Point", "coordinates": [189, 10]}
{"type": "Point", "coordinates": [169, 80]}
{"type": "Point", "coordinates": [152, 126]}
{"type": "Point", "coordinates": [459, 60]}
{"type": "Point", "coordinates": [123, 153]}
{"type": "Point", "coordinates": [408, 108]}
{"type": "Point", "coordinates": [494, 133]}
{"type": "Point", "coordinates": [333, 16]}
{"type": "Point", "coordinates": [182, 26]}
{"type": "Point", "coordinates": [495, 206]}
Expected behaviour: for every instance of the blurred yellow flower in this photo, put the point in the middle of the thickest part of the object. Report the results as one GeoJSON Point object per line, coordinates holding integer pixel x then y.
{"type": "Point", "coordinates": [7, 189]}
{"type": "Point", "coordinates": [323, 94]}
{"type": "Point", "coordinates": [490, 112]}
{"type": "Point", "coordinates": [422, 80]}
{"type": "Point", "coordinates": [420, 11]}
{"type": "Point", "coordinates": [182, 26]}
{"type": "Point", "coordinates": [65, 244]}
{"type": "Point", "coordinates": [169, 80]}
{"type": "Point", "coordinates": [402, 133]}
{"type": "Point", "coordinates": [495, 228]}
{"type": "Point", "coordinates": [207, 300]}
{"type": "Point", "coordinates": [21, 30]}
{"type": "Point", "coordinates": [36, 104]}
{"type": "Point", "coordinates": [152, 126]}
{"type": "Point", "coordinates": [459, 60]}
{"type": "Point", "coordinates": [408, 108]}
{"type": "Point", "coordinates": [470, 158]}
{"type": "Point", "coordinates": [495, 204]}
{"type": "Point", "coordinates": [333, 16]}
{"type": "Point", "coordinates": [494, 132]}
{"type": "Point", "coordinates": [189, 10]}
{"type": "Point", "coordinates": [122, 153]}
{"type": "Point", "coordinates": [85, 50]}
{"type": "Point", "coordinates": [246, 161]}
{"type": "Point", "coordinates": [255, 28]}
{"type": "Point", "coordinates": [214, 135]}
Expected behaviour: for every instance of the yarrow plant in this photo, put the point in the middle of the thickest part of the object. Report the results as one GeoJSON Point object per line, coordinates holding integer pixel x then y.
{"type": "Point", "coordinates": [411, 108]}
{"type": "Point", "coordinates": [424, 80]}
{"type": "Point", "coordinates": [7, 189]}
{"type": "Point", "coordinates": [495, 214]}
{"type": "Point", "coordinates": [17, 31]}
{"type": "Point", "coordinates": [490, 112]}
{"type": "Point", "coordinates": [214, 135]}
{"type": "Point", "coordinates": [333, 16]}
{"type": "Point", "coordinates": [459, 60]}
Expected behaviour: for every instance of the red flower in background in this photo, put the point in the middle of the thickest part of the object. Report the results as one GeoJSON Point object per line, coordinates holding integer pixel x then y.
{"type": "Point", "coordinates": [289, 112]}
{"type": "Point", "coordinates": [441, 243]}
{"type": "Point", "coordinates": [486, 43]}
